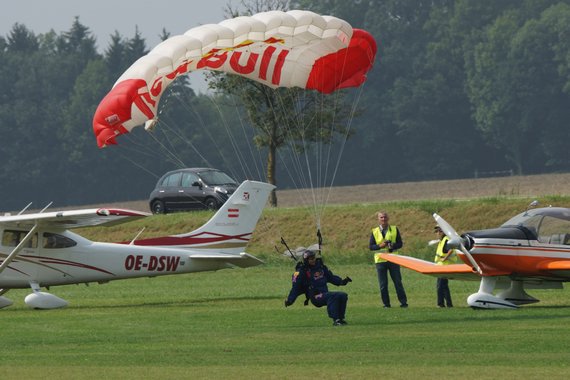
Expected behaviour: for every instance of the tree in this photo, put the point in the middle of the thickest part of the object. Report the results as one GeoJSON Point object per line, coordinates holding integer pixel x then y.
{"type": "Point", "coordinates": [115, 56]}
{"type": "Point", "coordinates": [78, 40]}
{"type": "Point", "coordinates": [515, 86]}
{"type": "Point", "coordinates": [136, 48]}
{"type": "Point", "coordinates": [20, 39]}
{"type": "Point", "coordinates": [549, 74]}
{"type": "Point", "coordinates": [430, 101]}
{"type": "Point", "coordinates": [306, 112]}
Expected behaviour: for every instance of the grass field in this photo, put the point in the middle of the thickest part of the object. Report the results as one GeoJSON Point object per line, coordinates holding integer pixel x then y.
{"type": "Point", "coordinates": [232, 324]}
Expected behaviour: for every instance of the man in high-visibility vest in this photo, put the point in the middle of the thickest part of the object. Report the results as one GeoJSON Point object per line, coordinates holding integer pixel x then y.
{"type": "Point", "coordinates": [386, 238]}
{"type": "Point", "coordinates": [443, 256]}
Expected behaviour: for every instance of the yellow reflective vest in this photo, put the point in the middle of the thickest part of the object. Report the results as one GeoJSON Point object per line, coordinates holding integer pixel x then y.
{"type": "Point", "coordinates": [391, 235]}
{"type": "Point", "coordinates": [440, 254]}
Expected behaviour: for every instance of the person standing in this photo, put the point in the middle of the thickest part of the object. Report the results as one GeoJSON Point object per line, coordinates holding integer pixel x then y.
{"type": "Point", "coordinates": [311, 278]}
{"type": "Point", "coordinates": [444, 255]}
{"type": "Point", "coordinates": [387, 238]}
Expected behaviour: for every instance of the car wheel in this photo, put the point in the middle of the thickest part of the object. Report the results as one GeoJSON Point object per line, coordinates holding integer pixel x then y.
{"type": "Point", "coordinates": [211, 203]}
{"type": "Point", "coordinates": [157, 207]}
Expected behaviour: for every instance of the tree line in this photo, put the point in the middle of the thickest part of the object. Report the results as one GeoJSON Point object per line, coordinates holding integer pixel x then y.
{"type": "Point", "coordinates": [459, 87]}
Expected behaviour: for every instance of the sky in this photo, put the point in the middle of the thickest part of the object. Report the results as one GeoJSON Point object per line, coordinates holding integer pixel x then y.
{"type": "Point", "coordinates": [104, 17]}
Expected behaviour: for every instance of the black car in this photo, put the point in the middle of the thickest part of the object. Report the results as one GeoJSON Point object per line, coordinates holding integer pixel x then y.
{"type": "Point", "coordinates": [191, 189]}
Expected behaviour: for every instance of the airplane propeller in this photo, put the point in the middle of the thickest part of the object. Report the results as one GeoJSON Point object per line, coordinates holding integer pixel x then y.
{"type": "Point", "coordinates": [455, 240]}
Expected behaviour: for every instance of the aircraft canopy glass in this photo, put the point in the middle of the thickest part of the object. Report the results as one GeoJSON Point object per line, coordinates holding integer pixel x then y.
{"type": "Point", "coordinates": [550, 225]}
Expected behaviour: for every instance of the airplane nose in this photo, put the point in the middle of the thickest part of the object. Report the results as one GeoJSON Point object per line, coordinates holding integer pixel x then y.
{"type": "Point", "coordinates": [467, 241]}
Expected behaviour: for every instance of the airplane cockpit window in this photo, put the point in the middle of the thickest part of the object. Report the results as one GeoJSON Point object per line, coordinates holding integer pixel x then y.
{"type": "Point", "coordinates": [529, 223]}
{"type": "Point", "coordinates": [549, 225]}
{"type": "Point", "coordinates": [57, 241]}
{"type": "Point", "coordinates": [11, 238]}
{"type": "Point", "coordinates": [554, 231]}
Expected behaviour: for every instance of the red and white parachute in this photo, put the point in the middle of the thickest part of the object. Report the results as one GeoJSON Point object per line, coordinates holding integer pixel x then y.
{"type": "Point", "coordinates": [279, 49]}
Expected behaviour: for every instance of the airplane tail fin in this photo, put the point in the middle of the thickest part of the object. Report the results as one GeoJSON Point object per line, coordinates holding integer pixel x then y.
{"type": "Point", "coordinates": [231, 227]}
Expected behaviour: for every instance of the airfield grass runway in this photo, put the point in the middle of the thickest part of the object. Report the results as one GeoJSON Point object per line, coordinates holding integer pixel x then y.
{"type": "Point", "coordinates": [232, 324]}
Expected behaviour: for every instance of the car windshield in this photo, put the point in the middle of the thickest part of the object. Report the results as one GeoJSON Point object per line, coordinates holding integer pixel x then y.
{"type": "Point", "coordinates": [214, 177]}
{"type": "Point", "coordinates": [550, 225]}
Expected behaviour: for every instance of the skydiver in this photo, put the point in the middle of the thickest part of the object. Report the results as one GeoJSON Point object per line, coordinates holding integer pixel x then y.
{"type": "Point", "coordinates": [310, 278]}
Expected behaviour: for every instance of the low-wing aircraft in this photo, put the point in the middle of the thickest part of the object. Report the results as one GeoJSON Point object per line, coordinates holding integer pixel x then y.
{"type": "Point", "coordinates": [529, 251]}
{"type": "Point", "coordinates": [39, 250]}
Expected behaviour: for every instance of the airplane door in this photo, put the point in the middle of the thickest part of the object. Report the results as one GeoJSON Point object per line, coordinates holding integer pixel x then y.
{"type": "Point", "coordinates": [25, 261]}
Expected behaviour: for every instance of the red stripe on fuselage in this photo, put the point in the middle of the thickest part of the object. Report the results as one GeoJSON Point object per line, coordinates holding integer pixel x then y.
{"type": "Point", "coordinates": [193, 239]}
{"type": "Point", "coordinates": [52, 260]}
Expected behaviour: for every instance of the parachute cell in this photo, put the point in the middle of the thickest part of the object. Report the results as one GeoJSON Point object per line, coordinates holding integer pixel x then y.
{"type": "Point", "coordinates": [279, 49]}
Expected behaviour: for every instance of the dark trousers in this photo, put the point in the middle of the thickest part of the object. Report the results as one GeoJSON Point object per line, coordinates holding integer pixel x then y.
{"type": "Point", "coordinates": [443, 293]}
{"type": "Point", "coordinates": [382, 269]}
{"type": "Point", "coordinates": [336, 304]}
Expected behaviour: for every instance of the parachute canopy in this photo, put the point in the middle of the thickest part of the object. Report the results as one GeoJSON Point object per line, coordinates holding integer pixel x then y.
{"type": "Point", "coordinates": [279, 49]}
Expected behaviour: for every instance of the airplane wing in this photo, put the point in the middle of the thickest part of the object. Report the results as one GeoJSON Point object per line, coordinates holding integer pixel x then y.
{"type": "Point", "coordinates": [73, 218]}
{"type": "Point", "coordinates": [244, 260]}
{"type": "Point", "coordinates": [451, 271]}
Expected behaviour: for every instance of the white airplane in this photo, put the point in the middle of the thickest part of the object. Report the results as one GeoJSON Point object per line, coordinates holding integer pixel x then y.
{"type": "Point", "coordinates": [529, 251]}
{"type": "Point", "coordinates": [39, 250]}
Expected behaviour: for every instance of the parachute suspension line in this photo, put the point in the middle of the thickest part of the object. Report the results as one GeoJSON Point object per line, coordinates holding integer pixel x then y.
{"type": "Point", "coordinates": [323, 172]}
{"type": "Point", "coordinates": [233, 143]}
{"type": "Point", "coordinates": [170, 153]}
{"type": "Point", "coordinates": [184, 138]}
{"type": "Point", "coordinates": [254, 159]}
{"type": "Point", "coordinates": [320, 191]}
{"type": "Point", "coordinates": [330, 135]}
{"type": "Point", "coordinates": [127, 158]}
{"type": "Point", "coordinates": [349, 126]}
{"type": "Point", "coordinates": [145, 150]}
{"type": "Point", "coordinates": [172, 150]}
{"type": "Point", "coordinates": [188, 105]}
{"type": "Point", "coordinates": [326, 190]}
{"type": "Point", "coordinates": [282, 113]}
{"type": "Point", "coordinates": [296, 121]}
{"type": "Point", "coordinates": [185, 100]}
{"type": "Point", "coordinates": [326, 136]}
{"type": "Point", "coordinates": [268, 133]}
{"type": "Point", "coordinates": [310, 180]}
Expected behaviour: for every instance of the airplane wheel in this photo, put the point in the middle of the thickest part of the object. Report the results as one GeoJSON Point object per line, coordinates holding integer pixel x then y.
{"type": "Point", "coordinates": [158, 207]}
{"type": "Point", "coordinates": [211, 204]}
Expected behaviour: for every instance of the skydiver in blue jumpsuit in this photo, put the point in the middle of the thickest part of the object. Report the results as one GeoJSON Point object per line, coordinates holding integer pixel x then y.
{"type": "Point", "coordinates": [311, 278]}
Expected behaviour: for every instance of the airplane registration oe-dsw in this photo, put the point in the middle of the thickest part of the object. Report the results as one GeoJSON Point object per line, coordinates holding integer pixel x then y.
{"type": "Point", "coordinates": [39, 250]}
{"type": "Point", "coordinates": [529, 251]}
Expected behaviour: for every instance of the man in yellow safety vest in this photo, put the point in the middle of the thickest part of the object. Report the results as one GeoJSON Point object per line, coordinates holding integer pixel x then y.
{"type": "Point", "coordinates": [443, 256]}
{"type": "Point", "coordinates": [386, 238]}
